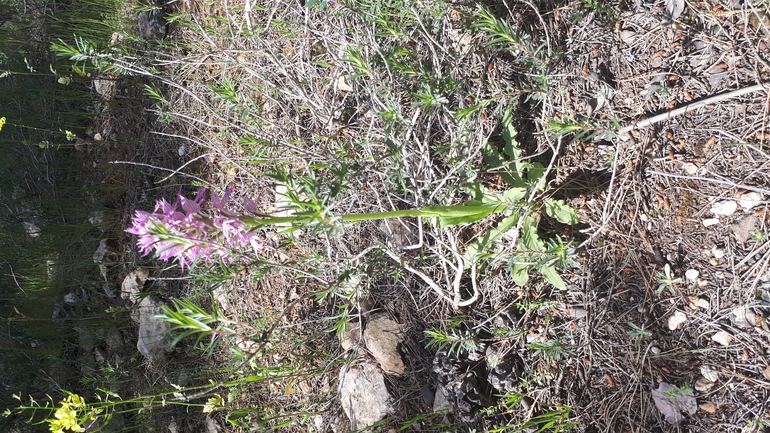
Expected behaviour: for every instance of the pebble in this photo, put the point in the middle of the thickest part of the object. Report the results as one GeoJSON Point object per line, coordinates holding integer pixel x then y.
{"type": "Point", "coordinates": [676, 319]}
{"type": "Point", "coordinates": [708, 407]}
{"type": "Point", "coordinates": [724, 207]}
{"type": "Point", "coordinates": [708, 222]}
{"type": "Point", "coordinates": [722, 338]}
{"type": "Point", "coordinates": [718, 254]}
{"type": "Point", "coordinates": [695, 302]}
{"type": "Point", "coordinates": [692, 275]}
{"type": "Point", "coordinates": [750, 200]}
{"type": "Point", "coordinates": [709, 373]}
{"type": "Point", "coordinates": [744, 318]}
{"type": "Point", "coordinates": [703, 385]}
{"type": "Point", "coordinates": [690, 168]}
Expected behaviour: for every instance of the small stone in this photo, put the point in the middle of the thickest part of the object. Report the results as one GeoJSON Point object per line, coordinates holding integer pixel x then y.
{"type": "Point", "coordinates": [441, 400]}
{"type": "Point", "coordinates": [750, 200]}
{"type": "Point", "coordinates": [744, 318]}
{"type": "Point", "coordinates": [690, 168]}
{"type": "Point", "coordinates": [628, 36]}
{"type": "Point", "coordinates": [676, 319]}
{"type": "Point", "coordinates": [724, 207]}
{"type": "Point", "coordinates": [132, 285]}
{"type": "Point", "coordinates": [766, 372]}
{"type": "Point", "coordinates": [365, 398]}
{"type": "Point", "coordinates": [708, 222]}
{"type": "Point", "coordinates": [708, 407]}
{"type": "Point", "coordinates": [703, 385]}
{"type": "Point", "coordinates": [577, 313]}
{"type": "Point", "coordinates": [382, 336]}
{"type": "Point", "coordinates": [723, 338]}
{"type": "Point", "coordinates": [709, 373]}
{"type": "Point", "coordinates": [692, 275]}
{"type": "Point", "coordinates": [718, 254]}
{"type": "Point", "coordinates": [742, 230]}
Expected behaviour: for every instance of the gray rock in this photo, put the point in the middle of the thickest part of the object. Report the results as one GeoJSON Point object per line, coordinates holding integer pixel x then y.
{"type": "Point", "coordinates": [153, 341]}
{"type": "Point", "coordinates": [441, 400]}
{"type": "Point", "coordinates": [382, 336]}
{"type": "Point", "coordinates": [132, 285]}
{"type": "Point", "coordinates": [743, 228]}
{"type": "Point", "coordinates": [364, 397]}
{"type": "Point", "coordinates": [744, 318]}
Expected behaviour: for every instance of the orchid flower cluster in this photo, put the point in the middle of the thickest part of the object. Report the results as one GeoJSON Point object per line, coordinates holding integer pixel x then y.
{"type": "Point", "coordinates": [230, 236]}
{"type": "Point", "coordinates": [189, 236]}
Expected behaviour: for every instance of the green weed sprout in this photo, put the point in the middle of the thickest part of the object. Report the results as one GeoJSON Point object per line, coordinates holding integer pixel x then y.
{"type": "Point", "coordinates": [637, 333]}
{"type": "Point", "coordinates": [666, 280]}
{"type": "Point", "coordinates": [453, 340]}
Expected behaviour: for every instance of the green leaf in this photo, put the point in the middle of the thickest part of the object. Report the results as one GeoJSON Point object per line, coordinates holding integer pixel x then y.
{"type": "Point", "coordinates": [512, 149]}
{"type": "Point", "coordinates": [513, 195]}
{"type": "Point", "coordinates": [535, 171]}
{"type": "Point", "coordinates": [550, 274]}
{"type": "Point", "coordinates": [529, 236]}
{"type": "Point", "coordinates": [520, 273]}
{"type": "Point", "coordinates": [561, 211]}
{"type": "Point", "coordinates": [488, 239]}
{"type": "Point", "coordinates": [469, 212]}
{"type": "Point", "coordinates": [465, 112]}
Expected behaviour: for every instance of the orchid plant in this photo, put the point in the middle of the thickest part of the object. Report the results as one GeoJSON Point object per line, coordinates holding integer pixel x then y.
{"type": "Point", "coordinates": [183, 231]}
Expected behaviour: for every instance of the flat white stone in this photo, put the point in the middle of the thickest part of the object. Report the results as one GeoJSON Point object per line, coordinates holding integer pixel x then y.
{"type": "Point", "coordinates": [743, 318]}
{"type": "Point", "coordinates": [724, 207]}
{"type": "Point", "coordinates": [750, 200]}
{"type": "Point", "coordinates": [690, 168]}
{"type": "Point", "coordinates": [708, 222]}
{"type": "Point", "coordinates": [676, 319]}
{"type": "Point", "coordinates": [709, 373]}
{"type": "Point", "coordinates": [692, 275]}
{"type": "Point", "coordinates": [723, 338]}
{"type": "Point", "coordinates": [364, 397]}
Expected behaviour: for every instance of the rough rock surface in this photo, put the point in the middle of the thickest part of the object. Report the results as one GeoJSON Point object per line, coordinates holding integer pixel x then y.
{"type": "Point", "coordinates": [132, 285]}
{"type": "Point", "coordinates": [382, 336]}
{"type": "Point", "coordinates": [152, 341]}
{"type": "Point", "coordinates": [363, 394]}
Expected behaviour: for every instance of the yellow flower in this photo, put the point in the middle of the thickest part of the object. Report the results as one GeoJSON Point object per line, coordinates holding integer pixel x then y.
{"type": "Point", "coordinates": [76, 400]}
{"type": "Point", "coordinates": [2, 123]}
{"type": "Point", "coordinates": [213, 403]}
{"type": "Point", "coordinates": [66, 417]}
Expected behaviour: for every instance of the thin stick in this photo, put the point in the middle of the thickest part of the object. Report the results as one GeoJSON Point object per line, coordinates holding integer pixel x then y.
{"type": "Point", "coordinates": [623, 132]}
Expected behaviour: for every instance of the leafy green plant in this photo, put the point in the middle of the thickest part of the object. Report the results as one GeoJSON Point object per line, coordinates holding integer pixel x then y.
{"type": "Point", "coordinates": [454, 340]}
{"type": "Point", "coordinates": [637, 333]}
{"type": "Point", "coordinates": [583, 128]}
{"type": "Point", "coordinates": [758, 235]}
{"type": "Point", "coordinates": [521, 220]}
{"type": "Point", "coordinates": [666, 280]}
{"type": "Point", "coordinates": [555, 419]}
{"type": "Point", "coordinates": [553, 349]}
